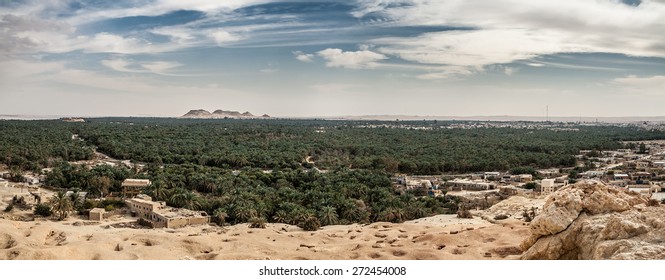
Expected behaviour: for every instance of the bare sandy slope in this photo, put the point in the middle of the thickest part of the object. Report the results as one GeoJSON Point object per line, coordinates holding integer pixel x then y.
{"type": "Point", "coordinates": [448, 238]}
{"type": "Point", "coordinates": [438, 237]}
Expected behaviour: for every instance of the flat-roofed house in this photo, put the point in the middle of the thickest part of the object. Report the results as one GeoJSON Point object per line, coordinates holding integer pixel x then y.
{"type": "Point", "coordinates": [621, 176]}
{"type": "Point", "coordinates": [133, 187]}
{"type": "Point", "coordinates": [143, 206]}
{"type": "Point", "coordinates": [525, 178]}
{"type": "Point", "coordinates": [170, 217]}
{"type": "Point", "coordinates": [469, 185]}
{"type": "Point", "coordinates": [96, 214]}
{"type": "Point", "coordinates": [492, 175]}
{"type": "Point", "coordinates": [158, 215]}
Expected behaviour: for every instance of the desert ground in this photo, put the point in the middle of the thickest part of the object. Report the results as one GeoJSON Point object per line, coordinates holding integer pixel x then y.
{"type": "Point", "coordinates": [437, 237]}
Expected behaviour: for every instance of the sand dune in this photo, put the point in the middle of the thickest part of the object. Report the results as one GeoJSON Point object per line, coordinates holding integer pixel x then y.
{"type": "Point", "coordinates": [440, 237]}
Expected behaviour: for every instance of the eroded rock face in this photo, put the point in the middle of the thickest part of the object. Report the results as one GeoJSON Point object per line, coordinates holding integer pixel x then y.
{"type": "Point", "coordinates": [590, 220]}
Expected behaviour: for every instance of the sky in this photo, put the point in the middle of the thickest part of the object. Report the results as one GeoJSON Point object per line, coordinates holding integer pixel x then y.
{"type": "Point", "coordinates": [589, 58]}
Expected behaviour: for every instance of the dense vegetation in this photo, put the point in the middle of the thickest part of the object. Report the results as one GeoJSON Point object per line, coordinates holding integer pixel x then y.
{"type": "Point", "coordinates": [277, 144]}
{"type": "Point", "coordinates": [31, 145]}
{"type": "Point", "coordinates": [268, 170]}
{"type": "Point", "coordinates": [287, 196]}
{"type": "Point", "coordinates": [273, 144]}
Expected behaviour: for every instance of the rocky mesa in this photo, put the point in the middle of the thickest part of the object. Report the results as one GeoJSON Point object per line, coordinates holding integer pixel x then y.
{"type": "Point", "coordinates": [221, 114]}
{"type": "Point", "coordinates": [590, 220]}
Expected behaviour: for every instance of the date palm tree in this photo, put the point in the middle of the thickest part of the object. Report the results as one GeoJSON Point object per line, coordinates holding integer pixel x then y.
{"type": "Point", "coordinates": [281, 217]}
{"type": "Point", "coordinates": [220, 216]}
{"type": "Point", "coordinates": [158, 190]}
{"type": "Point", "coordinates": [178, 197]}
{"type": "Point", "coordinates": [61, 204]}
{"type": "Point", "coordinates": [328, 216]}
{"type": "Point", "coordinates": [190, 201]}
{"type": "Point", "coordinates": [309, 222]}
{"type": "Point", "coordinates": [244, 213]}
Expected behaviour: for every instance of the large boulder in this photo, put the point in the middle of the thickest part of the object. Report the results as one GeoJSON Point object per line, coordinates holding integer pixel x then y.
{"type": "Point", "coordinates": [590, 220]}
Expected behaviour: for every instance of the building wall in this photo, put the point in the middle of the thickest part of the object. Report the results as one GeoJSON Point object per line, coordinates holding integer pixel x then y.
{"type": "Point", "coordinates": [142, 208]}
{"type": "Point", "coordinates": [133, 187]}
{"type": "Point", "coordinates": [96, 216]}
{"type": "Point", "coordinates": [178, 222]}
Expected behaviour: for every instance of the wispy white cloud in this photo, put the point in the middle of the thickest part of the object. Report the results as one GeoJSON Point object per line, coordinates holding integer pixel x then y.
{"type": "Point", "coordinates": [504, 31]}
{"type": "Point", "coordinates": [155, 67]}
{"type": "Point", "coordinates": [304, 57]}
{"type": "Point", "coordinates": [111, 43]}
{"type": "Point", "coordinates": [36, 72]}
{"type": "Point", "coordinates": [351, 59]}
{"type": "Point", "coordinates": [180, 35]}
{"type": "Point", "coordinates": [161, 67]}
{"type": "Point", "coordinates": [120, 65]}
{"type": "Point", "coordinates": [477, 47]}
{"type": "Point", "coordinates": [32, 41]}
{"type": "Point", "coordinates": [449, 72]}
{"type": "Point", "coordinates": [14, 70]}
{"type": "Point", "coordinates": [223, 37]}
{"type": "Point", "coordinates": [652, 82]}
{"type": "Point", "coordinates": [636, 86]}
{"type": "Point", "coordinates": [160, 7]}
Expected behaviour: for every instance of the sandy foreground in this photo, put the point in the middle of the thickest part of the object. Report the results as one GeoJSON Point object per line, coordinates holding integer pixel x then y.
{"type": "Point", "coordinates": [449, 238]}
{"type": "Point", "coordinates": [438, 237]}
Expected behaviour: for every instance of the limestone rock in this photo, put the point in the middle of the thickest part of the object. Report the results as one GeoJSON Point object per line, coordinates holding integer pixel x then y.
{"type": "Point", "coordinates": [590, 220]}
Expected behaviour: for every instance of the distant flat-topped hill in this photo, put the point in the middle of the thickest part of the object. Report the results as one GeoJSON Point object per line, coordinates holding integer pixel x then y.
{"type": "Point", "coordinates": [220, 114]}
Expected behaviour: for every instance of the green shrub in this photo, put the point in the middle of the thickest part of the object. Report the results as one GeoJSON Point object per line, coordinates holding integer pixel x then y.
{"type": "Point", "coordinates": [43, 210]}
{"type": "Point", "coordinates": [310, 223]}
{"type": "Point", "coordinates": [257, 223]}
{"type": "Point", "coordinates": [529, 215]}
{"type": "Point", "coordinates": [530, 185]}
{"type": "Point", "coordinates": [464, 214]}
{"type": "Point", "coordinates": [500, 217]}
{"type": "Point", "coordinates": [89, 204]}
{"type": "Point", "coordinates": [115, 203]}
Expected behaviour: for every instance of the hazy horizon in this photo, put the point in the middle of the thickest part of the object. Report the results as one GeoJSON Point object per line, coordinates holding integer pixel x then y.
{"type": "Point", "coordinates": [162, 58]}
{"type": "Point", "coordinates": [493, 118]}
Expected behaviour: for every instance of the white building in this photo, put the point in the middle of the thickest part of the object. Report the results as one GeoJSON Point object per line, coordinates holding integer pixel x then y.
{"type": "Point", "coordinates": [475, 185]}
{"type": "Point", "coordinates": [492, 175]}
{"type": "Point", "coordinates": [547, 186]}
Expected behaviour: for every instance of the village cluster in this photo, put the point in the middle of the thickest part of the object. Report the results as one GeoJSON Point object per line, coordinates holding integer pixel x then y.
{"type": "Point", "coordinates": [641, 169]}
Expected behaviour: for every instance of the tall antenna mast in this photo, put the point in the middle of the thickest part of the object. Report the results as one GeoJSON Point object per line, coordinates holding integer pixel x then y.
{"type": "Point", "coordinates": [547, 113]}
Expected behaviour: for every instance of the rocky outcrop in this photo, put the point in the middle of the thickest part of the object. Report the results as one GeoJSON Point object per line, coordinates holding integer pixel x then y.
{"type": "Point", "coordinates": [200, 113]}
{"type": "Point", "coordinates": [590, 220]}
{"type": "Point", "coordinates": [512, 207]}
{"type": "Point", "coordinates": [223, 113]}
{"type": "Point", "coordinates": [220, 114]}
